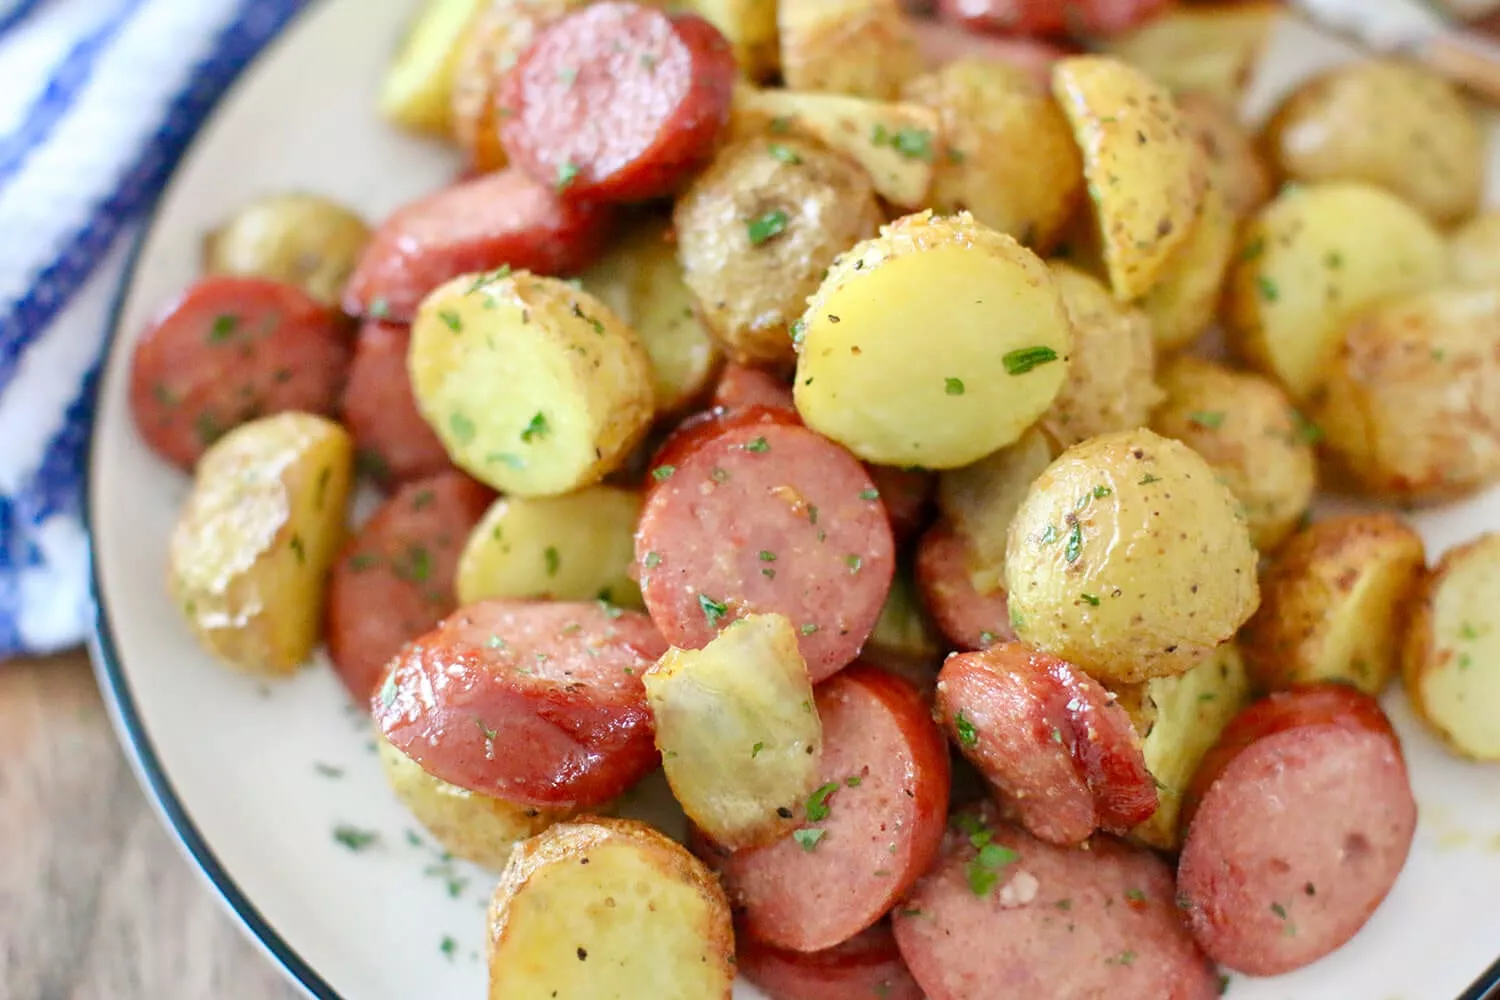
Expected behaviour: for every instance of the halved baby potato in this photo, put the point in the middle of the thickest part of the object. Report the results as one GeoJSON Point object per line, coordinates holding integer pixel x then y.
{"type": "Point", "coordinates": [992, 354]}
{"type": "Point", "coordinates": [477, 828]}
{"type": "Point", "coordinates": [641, 280]}
{"type": "Point", "coordinates": [417, 92]}
{"type": "Point", "coordinates": [1304, 269]}
{"type": "Point", "coordinates": [1185, 298]}
{"type": "Point", "coordinates": [576, 547]}
{"type": "Point", "coordinates": [1187, 713]}
{"type": "Point", "coordinates": [250, 554]}
{"type": "Point", "coordinates": [1334, 603]}
{"type": "Point", "coordinates": [897, 143]}
{"type": "Point", "coordinates": [750, 28]}
{"type": "Point", "coordinates": [608, 901]}
{"type": "Point", "coordinates": [1208, 47]}
{"type": "Point", "coordinates": [1146, 172]}
{"type": "Point", "coordinates": [1451, 661]}
{"type": "Point", "coordinates": [1235, 163]}
{"type": "Point", "coordinates": [858, 47]}
{"type": "Point", "coordinates": [739, 735]}
{"type": "Point", "coordinates": [1475, 250]}
{"type": "Point", "coordinates": [535, 387]}
{"type": "Point", "coordinates": [302, 239]}
{"type": "Point", "coordinates": [981, 500]}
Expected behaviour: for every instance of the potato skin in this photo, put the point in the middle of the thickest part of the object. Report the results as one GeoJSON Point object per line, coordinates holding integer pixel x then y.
{"type": "Point", "coordinates": [1450, 650]}
{"type": "Point", "coordinates": [749, 293]}
{"type": "Point", "coordinates": [1111, 382]}
{"type": "Point", "coordinates": [250, 553]}
{"type": "Point", "coordinates": [992, 358]}
{"type": "Point", "coordinates": [468, 825]}
{"type": "Point", "coordinates": [1206, 47]}
{"type": "Point", "coordinates": [1145, 172]}
{"type": "Point", "coordinates": [1333, 604]}
{"type": "Point", "coordinates": [988, 110]}
{"type": "Point", "coordinates": [1411, 402]}
{"type": "Point", "coordinates": [1385, 122]}
{"type": "Point", "coordinates": [1130, 559]}
{"type": "Point", "coordinates": [534, 387]}
{"type": "Point", "coordinates": [1246, 429]}
{"type": "Point", "coordinates": [303, 239]}
{"type": "Point", "coordinates": [1236, 165]}
{"type": "Point", "coordinates": [1475, 250]}
{"type": "Point", "coordinates": [858, 47]}
{"type": "Point", "coordinates": [1302, 270]}
{"type": "Point", "coordinates": [643, 910]}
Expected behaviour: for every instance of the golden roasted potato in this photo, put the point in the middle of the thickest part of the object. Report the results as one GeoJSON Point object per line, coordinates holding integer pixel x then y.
{"type": "Point", "coordinates": [251, 550]}
{"type": "Point", "coordinates": [417, 92]}
{"type": "Point", "coordinates": [1475, 250]}
{"type": "Point", "coordinates": [303, 239]}
{"type": "Point", "coordinates": [1451, 649]}
{"type": "Point", "coordinates": [1410, 405]}
{"type": "Point", "coordinates": [1304, 268]}
{"type": "Point", "coordinates": [608, 901]}
{"type": "Point", "coordinates": [897, 143]}
{"type": "Point", "coordinates": [757, 231]}
{"type": "Point", "coordinates": [1145, 172]}
{"type": "Point", "coordinates": [858, 47]}
{"type": "Point", "coordinates": [642, 281]}
{"type": "Point", "coordinates": [981, 500]}
{"type": "Point", "coordinates": [1187, 714]}
{"type": "Point", "coordinates": [1212, 48]}
{"type": "Point", "coordinates": [1385, 122]}
{"type": "Point", "coordinates": [494, 41]}
{"type": "Point", "coordinates": [477, 828]}
{"type": "Point", "coordinates": [1334, 603]}
{"type": "Point", "coordinates": [534, 387]}
{"type": "Point", "coordinates": [1235, 164]}
{"type": "Point", "coordinates": [750, 27]}
{"type": "Point", "coordinates": [989, 110]}
{"type": "Point", "coordinates": [991, 356]}
{"type": "Point", "coordinates": [569, 548]}
{"type": "Point", "coordinates": [739, 735]}
{"type": "Point", "coordinates": [1130, 559]}
{"type": "Point", "coordinates": [1184, 300]}
{"type": "Point", "coordinates": [1111, 382]}
{"type": "Point", "coordinates": [1247, 430]}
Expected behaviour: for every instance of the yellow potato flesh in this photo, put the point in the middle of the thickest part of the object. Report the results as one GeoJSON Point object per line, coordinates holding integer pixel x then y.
{"type": "Point", "coordinates": [418, 86]}
{"type": "Point", "coordinates": [981, 500]}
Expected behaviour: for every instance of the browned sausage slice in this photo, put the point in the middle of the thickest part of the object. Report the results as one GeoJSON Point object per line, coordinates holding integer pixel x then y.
{"type": "Point", "coordinates": [229, 350]}
{"type": "Point", "coordinates": [1006, 915]}
{"type": "Point", "coordinates": [757, 516]}
{"type": "Point", "coordinates": [742, 387]}
{"type": "Point", "coordinates": [394, 579]}
{"type": "Point", "coordinates": [618, 101]}
{"type": "Point", "coordinates": [969, 619]}
{"type": "Point", "coordinates": [1049, 739]}
{"type": "Point", "coordinates": [530, 701]}
{"type": "Point", "coordinates": [866, 967]}
{"type": "Point", "coordinates": [869, 831]}
{"type": "Point", "coordinates": [503, 219]}
{"type": "Point", "coordinates": [1302, 817]}
{"type": "Point", "coordinates": [394, 443]}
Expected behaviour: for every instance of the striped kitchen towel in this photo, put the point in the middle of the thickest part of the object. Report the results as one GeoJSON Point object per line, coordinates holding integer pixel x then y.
{"type": "Point", "coordinates": [98, 99]}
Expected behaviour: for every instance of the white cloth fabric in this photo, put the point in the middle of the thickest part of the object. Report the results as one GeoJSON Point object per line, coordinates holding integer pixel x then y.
{"type": "Point", "coordinates": [98, 100]}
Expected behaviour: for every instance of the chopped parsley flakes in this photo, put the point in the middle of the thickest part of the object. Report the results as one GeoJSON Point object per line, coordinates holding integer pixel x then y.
{"type": "Point", "coordinates": [1019, 362]}
{"type": "Point", "coordinates": [766, 227]}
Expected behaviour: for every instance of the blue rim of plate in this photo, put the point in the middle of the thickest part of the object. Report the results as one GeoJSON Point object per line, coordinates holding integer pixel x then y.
{"type": "Point", "coordinates": [120, 700]}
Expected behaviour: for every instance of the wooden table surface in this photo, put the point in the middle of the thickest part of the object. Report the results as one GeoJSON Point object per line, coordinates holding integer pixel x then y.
{"type": "Point", "coordinates": [96, 901]}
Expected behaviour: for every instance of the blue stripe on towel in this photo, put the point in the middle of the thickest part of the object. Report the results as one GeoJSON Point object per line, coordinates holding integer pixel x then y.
{"type": "Point", "coordinates": [56, 99]}
{"type": "Point", "coordinates": [18, 13]}
{"type": "Point", "coordinates": [56, 283]}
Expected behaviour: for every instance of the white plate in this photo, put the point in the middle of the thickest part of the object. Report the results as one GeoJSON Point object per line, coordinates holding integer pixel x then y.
{"type": "Point", "coordinates": [241, 772]}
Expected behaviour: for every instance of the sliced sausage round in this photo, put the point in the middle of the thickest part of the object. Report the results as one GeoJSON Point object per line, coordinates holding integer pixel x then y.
{"type": "Point", "coordinates": [1006, 915]}
{"type": "Point", "coordinates": [394, 443]}
{"type": "Point", "coordinates": [618, 101]}
{"type": "Point", "coordinates": [394, 578]}
{"type": "Point", "coordinates": [232, 349]}
{"type": "Point", "coordinates": [1063, 757]}
{"type": "Point", "coordinates": [760, 516]}
{"type": "Point", "coordinates": [868, 832]}
{"type": "Point", "coordinates": [534, 702]}
{"type": "Point", "coordinates": [907, 497]}
{"type": "Point", "coordinates": [504, 219]}
{"type": "Point", "coordinates": [967, 618]}
{"type": "Point", "coordinates": [1301, 819]}
{"type": "Point", "coordinates": [742, 387]}
{"type": "Point", "coordinates": [865, 967]}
